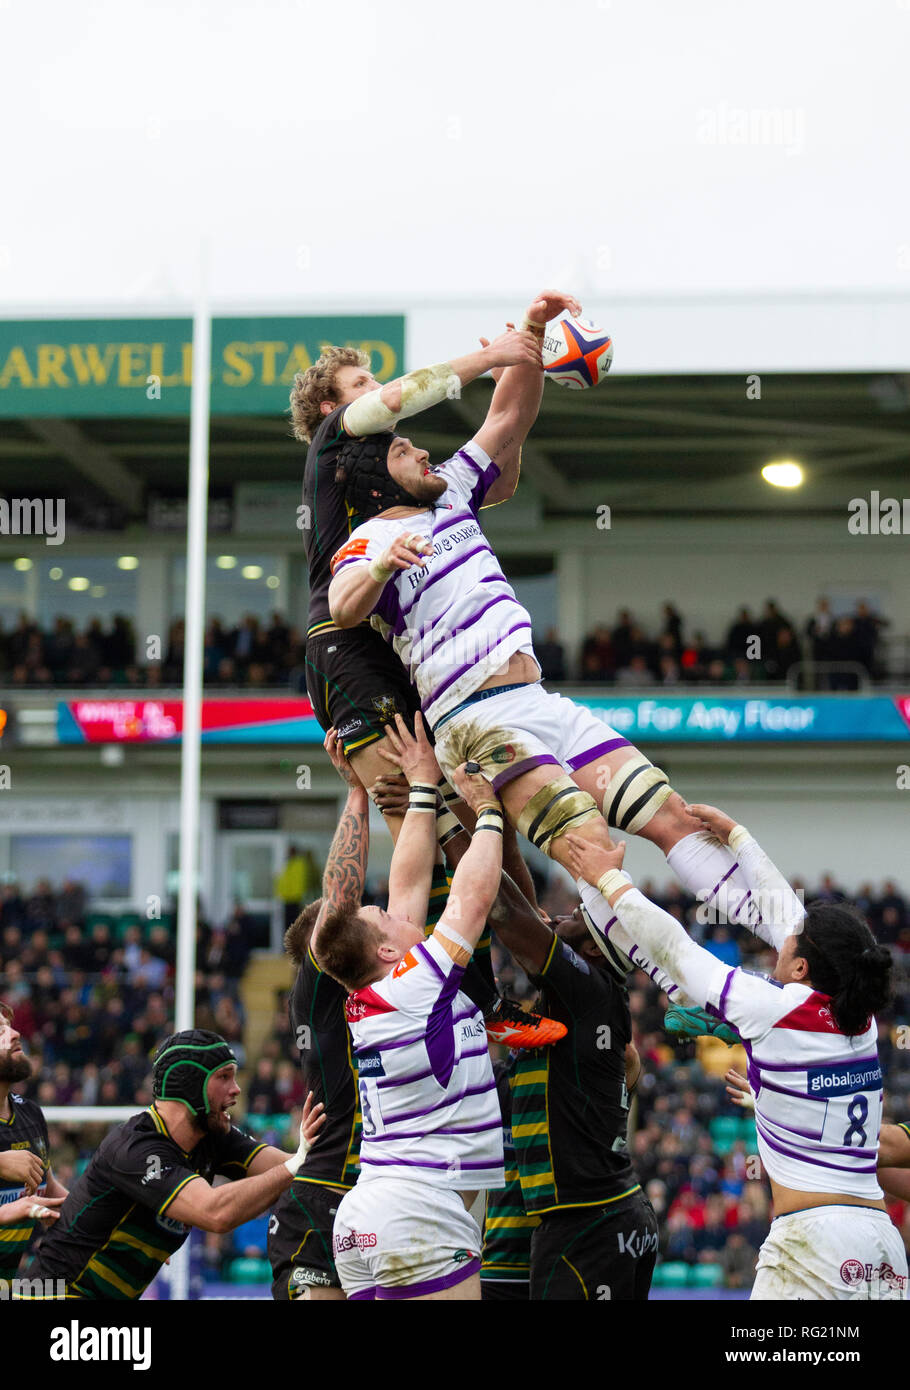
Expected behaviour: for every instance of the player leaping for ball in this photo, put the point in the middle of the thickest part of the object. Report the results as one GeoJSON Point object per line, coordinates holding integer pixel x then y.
{"type": "Point", "coordinates": [811, 1036]}
{"type": "Point", "coordinates": [421, 566]}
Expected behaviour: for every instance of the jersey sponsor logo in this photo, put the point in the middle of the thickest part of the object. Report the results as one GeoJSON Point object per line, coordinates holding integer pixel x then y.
{"type": "Point", "coordinates": [370, 1064]}
{"type": "Point", "coordinates": [11, 1194]}
{"type": "Point", "coordinates": [311, 1278]}
{"type": "Point", "coordinates": [505, 753]}
{"type": "Point", "coordinates": [843, 1079]}
{"type": "Point", "coordinates": [854, 1272]}
{"type": "Point", "coordinates": [404, 965]}
{"type": "Point", "coordinates": [637, 1243]}
{"type": "Point", "coordinates": [352, 724]}
{"type": "Point", "coordinates": [351, 550]}
{"type": "Point", "coordinates": [363, 1240]}
{"type": "Point", "coordinates": [459, 1256]}
{"type": "Point", "coordinates": [473, 1030]}
{"type": "Point", "coordinates": [175, 1228]}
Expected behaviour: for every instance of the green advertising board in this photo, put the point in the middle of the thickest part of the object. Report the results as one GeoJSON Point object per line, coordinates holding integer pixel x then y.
{"type": "Point", "coordinates": [78, 368]}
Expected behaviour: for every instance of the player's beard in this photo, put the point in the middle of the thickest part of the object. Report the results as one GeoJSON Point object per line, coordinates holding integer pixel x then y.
{"type": "Point", "coordinates": [428, 488]}
{"type": "Point", "coordinates": [12, 1068]}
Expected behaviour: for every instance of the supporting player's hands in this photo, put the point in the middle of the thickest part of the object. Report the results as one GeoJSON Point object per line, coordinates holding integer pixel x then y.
{"type": "Point", "coordinates": [549, 304]}
{"type": "Point", "coordinates": [514, 349]}
{"type": "Point", "coordinates": [411, 752]}
{"type": "Point", "coordinates": [21, 1166]}
{"type": "Point", "coordinates": [334, 746]}
{"type": "Point", "coordinates": [474, 789]}
{"type": "Point", "coordinates": [28, 1209]}
{"type": "Point", "coordinates": [590, 860]}
{"type": "Point", "coordinates": [739, 1090]}
{"type": "Point", "coordinates": [405, 551]}
{"type": "Point", "coordinates": [312, 1119]}
{"type": "Point", "coordinates": [718, 822]}
{"type": "Point", "coordinates": [390, 793]}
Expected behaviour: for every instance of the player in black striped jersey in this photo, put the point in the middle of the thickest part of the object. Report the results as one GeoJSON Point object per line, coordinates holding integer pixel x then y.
{"type": "Point", "coordinates": [26, 1177]}
{"type": "Point", "coordinates": [150, 1180]}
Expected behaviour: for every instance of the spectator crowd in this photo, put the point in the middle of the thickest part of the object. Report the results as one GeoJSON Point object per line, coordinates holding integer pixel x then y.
{"type": "Point", "coordinates": [93, 996]}
{"type": "Point", "coordinates": [757, 647]}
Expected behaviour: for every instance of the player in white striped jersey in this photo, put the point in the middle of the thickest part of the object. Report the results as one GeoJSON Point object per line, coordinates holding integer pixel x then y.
{"type": "Point", "coordinates": [419, 563]}
{"type": "Point", "coordinates": [811, 1038]}
{"type": "Point", "coordinates": [432, 1129]}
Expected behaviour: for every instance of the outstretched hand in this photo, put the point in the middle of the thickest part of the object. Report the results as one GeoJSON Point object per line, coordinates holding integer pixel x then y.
{"type": "Point", "coordinates": [473, 788]}
{"type": "Point", "coordinates": [410, 752]}
{"type": "Point", "coordinates": [718, 822]}
{"type": "Point", "coordinates": [590, 860]}
{"type": "Point", "coordinates": [549, 304]}
{"type": "Point", "coordinates": [739, 1090]}
{"type": "Point", "coordinates": [334, 746]}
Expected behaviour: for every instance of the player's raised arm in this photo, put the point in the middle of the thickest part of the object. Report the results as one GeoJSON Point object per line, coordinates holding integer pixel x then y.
{"type": "Point", "coordinates": [477, 878]}
{"type": "Point", "coordinates": [516, 399]}
{"type": "Point", "coordinates": [411, 872]}
{"type": "Point", "coordinates": [426, 387]}
{"type": "Point", "coordinates": [346, 866]}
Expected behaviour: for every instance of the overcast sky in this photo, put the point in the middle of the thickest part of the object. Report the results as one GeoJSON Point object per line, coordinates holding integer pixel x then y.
{"type": "Point", "coordinates": [401, 148]}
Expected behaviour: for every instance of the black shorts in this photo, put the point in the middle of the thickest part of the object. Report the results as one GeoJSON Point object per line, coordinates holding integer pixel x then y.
{"type": "Point", "coordinates": [504, 1290]}
{"type": "Point", "coordinates": [595, 1253]}
{"type": "Point", "coordinates": [356, 684]}
{"type": "Point", "coordinates": [300, 1240]}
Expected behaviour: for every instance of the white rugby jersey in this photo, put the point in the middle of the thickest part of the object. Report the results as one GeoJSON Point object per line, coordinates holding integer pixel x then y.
{"type": "Point", "coordinates": [818, 1092]}
{"type": "Point", "coordinates": [427, 1094]}
{"type": "Point", "coordinates": [454, 621]}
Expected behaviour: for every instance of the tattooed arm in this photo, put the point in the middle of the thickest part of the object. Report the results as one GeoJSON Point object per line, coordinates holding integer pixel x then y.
{"type": "Point", "coordinates": [346, 866]}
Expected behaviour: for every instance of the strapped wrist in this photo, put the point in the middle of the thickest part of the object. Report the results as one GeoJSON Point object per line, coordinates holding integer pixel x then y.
{"type": "Point", "coordinates": [379, 572]}
{"type": "Point", "coordinates": [612, 880]}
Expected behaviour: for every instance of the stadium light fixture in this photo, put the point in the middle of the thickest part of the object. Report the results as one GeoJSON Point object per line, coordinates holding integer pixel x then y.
{"type": "Point", "coordinates": [273, 581]}
{"type": "Point", "coordinates": [128, 562]}
{"type": "Point", "coordinates": [79, 582]}
{"type": "Point", "coordinates": [55, 573]}
{"type": "Point", "coordinates": [98, 591]}
{"type": "Point", "coordinates": [783, 473]}
{"type": "Point", "coordinates": [23, 563]}
{"type": "Point", "coordinates": [252, 571]}
{"type": "Point", "coordinates": [226, 562]}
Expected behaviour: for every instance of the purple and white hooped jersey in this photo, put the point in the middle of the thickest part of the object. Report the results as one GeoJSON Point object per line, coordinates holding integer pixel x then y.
{"type": "Point", "coordinates": [456, 620]}
{"type": "Point", "coordinates": [427, 1095]}
{"type": "Point", "coordinates": [818, 1093]}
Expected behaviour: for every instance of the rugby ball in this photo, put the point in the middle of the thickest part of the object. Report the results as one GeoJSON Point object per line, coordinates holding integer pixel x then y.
{"type": "Point", "coordinates": [576, 353]}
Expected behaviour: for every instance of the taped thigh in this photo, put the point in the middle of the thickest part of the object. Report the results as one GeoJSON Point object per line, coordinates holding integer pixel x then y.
{"type": "Point", "coordinates": [555, 808]}
{"type": "Point", "coordinates": [634, 794]}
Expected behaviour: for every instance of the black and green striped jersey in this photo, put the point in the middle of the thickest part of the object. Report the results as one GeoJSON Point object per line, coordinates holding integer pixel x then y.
{"type": "Point", "coordinates": [507, 1226]}
{"type": "Point", "coordinates": [327, 522]}
{"type": "Point", "coordinates": [324, 1042]}
{"type": "Point", "coordinates": [26, 1129]}
{"type": "Point", "coordinates": [905, 1126]}
{"type": "Point", "coordinates": [114, 1232]}
{"type": "Point", "coordinates": [569, 1101]}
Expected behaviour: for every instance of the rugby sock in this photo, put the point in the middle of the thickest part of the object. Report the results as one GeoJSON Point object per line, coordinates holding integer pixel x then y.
{"type": "Point", "coordinates": [712, 874]}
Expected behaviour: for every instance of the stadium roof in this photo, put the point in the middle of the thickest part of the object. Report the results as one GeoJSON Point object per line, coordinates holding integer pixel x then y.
{"type": "Point", "coordinates": [667, 444]}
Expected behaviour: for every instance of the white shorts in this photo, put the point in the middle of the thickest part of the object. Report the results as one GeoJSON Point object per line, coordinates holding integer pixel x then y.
{"type": "Point", "coordinates": [398, 1238]}
{"type": "Point", "coordinates": [523, 728]}
{"type": "Point", "coordinates": [832, 1252]}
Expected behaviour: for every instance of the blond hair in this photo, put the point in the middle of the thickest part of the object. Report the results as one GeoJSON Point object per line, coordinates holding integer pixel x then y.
{"type": "Point", "coordinates": [317, 384]}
